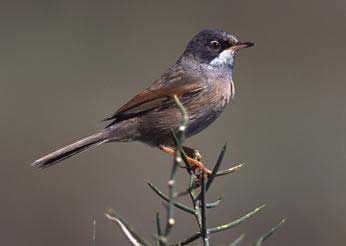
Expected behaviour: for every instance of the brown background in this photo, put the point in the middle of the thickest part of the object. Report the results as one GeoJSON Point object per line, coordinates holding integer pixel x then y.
{"type": "Point", "coordinates": [64, 65]}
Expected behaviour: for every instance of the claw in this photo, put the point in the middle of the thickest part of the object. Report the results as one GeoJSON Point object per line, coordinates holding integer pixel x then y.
{"type": "Point", "coordinates": [195, 163]}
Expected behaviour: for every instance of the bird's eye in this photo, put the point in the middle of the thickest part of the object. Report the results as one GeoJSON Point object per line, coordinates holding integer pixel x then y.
{"type": "Point", "coordinates": [215, 45]}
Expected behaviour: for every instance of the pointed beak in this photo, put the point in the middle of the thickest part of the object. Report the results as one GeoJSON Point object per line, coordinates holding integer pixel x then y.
{"type": "Point", "coordinates": [241, 45]}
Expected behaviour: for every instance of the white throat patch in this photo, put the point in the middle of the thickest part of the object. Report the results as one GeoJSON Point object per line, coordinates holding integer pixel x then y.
{"type": "Point", "coordinates": [225, 58]}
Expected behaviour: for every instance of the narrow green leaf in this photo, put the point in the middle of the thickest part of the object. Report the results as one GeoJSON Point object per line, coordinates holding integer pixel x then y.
{"type": "Point", "coordinates": [215, 170]}
{"type": "Point", "coordinates": [238, 240]}
{"type": "Point", "coordinates": [230, 170]}
{"type": "Point", "coordinates": [176, 204]}
{"type": "Point", "coordinates": [158, 224]}
{"type": "Point", "coordinates": [214, 204]}
{"type": "Point", "coordinates": [236, 222]}
{"type": "Point", "coordinates": [194, 237]}
{"type": "Point", "coordinates": [127, 229]}
{"type": "Point", "coordinates": [266, 235]}
{"type": "Point", "coordinates": [216, 167]}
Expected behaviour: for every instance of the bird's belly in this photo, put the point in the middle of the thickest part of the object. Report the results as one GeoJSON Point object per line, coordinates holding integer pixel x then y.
{"type": "Point", "coordinates": [201, 122]}
{"type": "Point", "coordinates": [206, 113]}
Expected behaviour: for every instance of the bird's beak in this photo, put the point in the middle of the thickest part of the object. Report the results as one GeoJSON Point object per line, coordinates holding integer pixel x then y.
{"type": "Point", "coordinates": [241, 45]}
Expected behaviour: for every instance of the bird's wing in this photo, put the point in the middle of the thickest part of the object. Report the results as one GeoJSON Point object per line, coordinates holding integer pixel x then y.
{"type": "Point", "coordinates": [160, 94]}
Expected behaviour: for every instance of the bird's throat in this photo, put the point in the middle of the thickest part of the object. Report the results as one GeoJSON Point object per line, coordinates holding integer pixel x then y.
{"type": "Point", "coordinates": [224, 59]}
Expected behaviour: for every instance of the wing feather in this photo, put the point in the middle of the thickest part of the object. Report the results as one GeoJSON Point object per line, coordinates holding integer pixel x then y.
{"type": "Point", "coordinates": [159, 95]}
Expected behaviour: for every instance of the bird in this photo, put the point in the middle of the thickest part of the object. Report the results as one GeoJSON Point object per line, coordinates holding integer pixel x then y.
{"type": "Point", "coordinates": [202, 80]}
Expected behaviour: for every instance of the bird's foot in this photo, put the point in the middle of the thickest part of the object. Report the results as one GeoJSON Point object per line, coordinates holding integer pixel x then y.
{"type": "Point", "coordinates": [193, 158]}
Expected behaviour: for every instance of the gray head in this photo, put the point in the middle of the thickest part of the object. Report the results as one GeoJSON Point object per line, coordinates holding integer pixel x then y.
{"type": "Point", "coordinates": [214, 47]}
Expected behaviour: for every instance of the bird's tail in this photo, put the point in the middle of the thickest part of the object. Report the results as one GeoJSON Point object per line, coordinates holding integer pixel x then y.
{"type": "Point", "coordinates": [71, 150]}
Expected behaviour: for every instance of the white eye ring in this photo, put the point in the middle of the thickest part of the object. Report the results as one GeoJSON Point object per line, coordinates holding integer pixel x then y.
{"type": "Point", "coordinates": [215, 45]}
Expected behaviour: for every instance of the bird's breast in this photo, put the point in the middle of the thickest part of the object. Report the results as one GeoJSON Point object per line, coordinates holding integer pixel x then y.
{"type": "Point", "coordinates": [209, 105]}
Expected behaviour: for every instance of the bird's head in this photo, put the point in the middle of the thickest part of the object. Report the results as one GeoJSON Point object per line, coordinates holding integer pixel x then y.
{"type": "Point", "coordinates": [215, 47]}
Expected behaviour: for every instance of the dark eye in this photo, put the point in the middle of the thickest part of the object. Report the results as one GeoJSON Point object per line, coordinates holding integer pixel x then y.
{"type": "Point", "coordinates": [215, 45]}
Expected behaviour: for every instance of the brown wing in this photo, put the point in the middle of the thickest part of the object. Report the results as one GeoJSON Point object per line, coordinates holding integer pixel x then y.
{"type": "Point", "coordinates": [174, 82]}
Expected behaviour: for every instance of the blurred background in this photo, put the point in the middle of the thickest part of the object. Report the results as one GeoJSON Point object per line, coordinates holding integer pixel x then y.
{"type": "Point", "coordinates": [65, 65]}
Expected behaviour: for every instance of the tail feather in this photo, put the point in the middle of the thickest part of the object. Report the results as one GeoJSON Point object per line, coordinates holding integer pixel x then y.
{"type": "Point", "coordinates": [71, 150]}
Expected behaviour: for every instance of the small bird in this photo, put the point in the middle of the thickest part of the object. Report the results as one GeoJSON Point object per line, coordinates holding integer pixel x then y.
{"type": "Point", "coordinates": [201, 79]}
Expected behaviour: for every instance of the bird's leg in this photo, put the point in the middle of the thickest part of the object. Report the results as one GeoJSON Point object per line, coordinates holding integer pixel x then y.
{"type": "Point", "coordinates": [193, 153]}
{"type": "Point", "coordinates": [196, 155]}
{"type": "Point", "coordinates": [193, 157]}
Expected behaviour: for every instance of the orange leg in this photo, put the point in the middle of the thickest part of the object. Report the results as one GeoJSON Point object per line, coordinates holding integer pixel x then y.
{"type": "Point", "coordinates": [193, 162]}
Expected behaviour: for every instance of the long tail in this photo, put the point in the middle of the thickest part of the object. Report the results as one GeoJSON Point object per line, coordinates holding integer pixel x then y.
{"type": "Point", "coordinates": [71, 150]}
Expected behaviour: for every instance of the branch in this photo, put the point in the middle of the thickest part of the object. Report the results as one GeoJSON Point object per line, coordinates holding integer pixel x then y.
{"type": "Point", "coordinates": [177, 161]}
{"type": "Point", "coordinates": [127, 229]}
{"type": "Point", "coordinates": [205, 234]}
